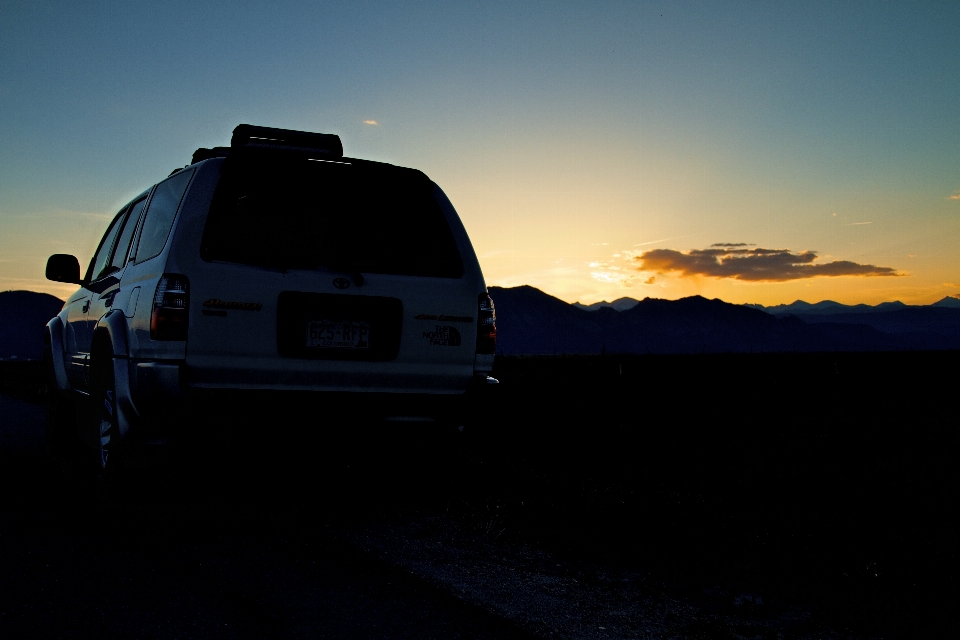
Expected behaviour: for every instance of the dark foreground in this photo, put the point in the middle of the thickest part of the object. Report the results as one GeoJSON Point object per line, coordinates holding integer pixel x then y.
{"type": "Point", "coordinates": [745, 486]}
{"type": "Point", "coordinates": [187, 552]}
{"type": "Point", "coordinates": [826, 480]}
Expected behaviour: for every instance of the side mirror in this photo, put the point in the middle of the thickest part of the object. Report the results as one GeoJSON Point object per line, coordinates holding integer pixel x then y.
{"type": "Point", "coordinates": [62, 267]}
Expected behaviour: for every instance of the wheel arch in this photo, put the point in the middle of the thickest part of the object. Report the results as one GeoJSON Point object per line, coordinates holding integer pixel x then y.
{"type": "Point", "coordinates": [111, 333]}
{"type": "Point", "coordinates": [53, 341]}
{"type": "Point", "coordinates": [109, 347]}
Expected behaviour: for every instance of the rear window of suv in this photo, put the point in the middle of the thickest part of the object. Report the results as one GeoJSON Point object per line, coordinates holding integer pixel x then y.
{"type": "Point", "coordinates": [352, 216]}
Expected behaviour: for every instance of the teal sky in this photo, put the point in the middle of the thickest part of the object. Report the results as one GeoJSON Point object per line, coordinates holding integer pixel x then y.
{"type": "Point", "coordinates": [571, 137]}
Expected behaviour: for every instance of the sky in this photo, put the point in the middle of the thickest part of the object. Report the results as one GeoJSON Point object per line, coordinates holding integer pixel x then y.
{"type": "Point", "coordinates": [756, 152]}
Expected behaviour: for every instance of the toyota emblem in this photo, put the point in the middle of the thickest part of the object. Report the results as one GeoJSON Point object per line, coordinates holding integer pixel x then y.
{"type": "Point", "coordinates": [341, 283]}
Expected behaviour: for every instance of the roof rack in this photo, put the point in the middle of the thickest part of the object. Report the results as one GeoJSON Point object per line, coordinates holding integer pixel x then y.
{"type": "Point", "coordinates": [249, 136]}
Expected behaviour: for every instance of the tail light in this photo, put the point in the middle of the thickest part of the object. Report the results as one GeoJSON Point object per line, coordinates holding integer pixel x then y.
{"type": "Point", "coordinates": [168, 321]}
{"type": "Point", "coordinates": [486, 326]}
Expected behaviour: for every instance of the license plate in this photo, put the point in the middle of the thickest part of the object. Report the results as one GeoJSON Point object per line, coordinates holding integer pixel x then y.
{"type": "Point", "coordinates": [339, 334]}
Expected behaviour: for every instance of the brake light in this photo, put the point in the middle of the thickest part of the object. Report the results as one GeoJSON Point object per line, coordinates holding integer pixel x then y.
{"type": "Point", "coordinates": [486, 326]}
{"type": "Point", "coordinates": [168, 321]}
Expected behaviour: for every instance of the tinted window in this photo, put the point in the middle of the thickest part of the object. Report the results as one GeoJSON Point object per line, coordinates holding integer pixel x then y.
{"type": "Point", "coordinates": [126, 235]}
{"type": "Point", "coordinates": [344, 217]}
{"type": "Point", "coordinates": [100, 265]}
{"type": "Point", "coordinates": [160, 213]}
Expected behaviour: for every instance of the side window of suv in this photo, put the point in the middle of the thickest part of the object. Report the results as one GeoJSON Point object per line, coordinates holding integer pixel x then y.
{"type": "Point", "coordinates": [160, 213]}
{"type": "Point", "coordinates": [100, 265]}
{"type": "Point", "coordinates": [126, 235]}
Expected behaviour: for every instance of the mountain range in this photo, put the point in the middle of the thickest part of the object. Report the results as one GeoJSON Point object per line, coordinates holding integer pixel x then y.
{"type": "Point", "coordinates": [827, 307]}
{"type": "Point", "coordinates": [531, 322]}
{"type": "Point", "coordinates": [797, 308]}
{"type": "Point", "coordinates": [23, 316]}
{"type": "Point", "coordinates": [620, 304]}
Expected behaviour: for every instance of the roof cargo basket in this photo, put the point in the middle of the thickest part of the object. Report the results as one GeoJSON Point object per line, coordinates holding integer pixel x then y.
{"type": "Point", "coordinates": [246, 135]}
{"type": "Point", "coordinates": [204, 154]}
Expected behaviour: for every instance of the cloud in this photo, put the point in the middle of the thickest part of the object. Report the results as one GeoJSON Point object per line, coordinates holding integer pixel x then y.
{"type": "Point", "coordinates": [96, 215]}
{"type": "Point", "coordinates": [955, 195]}
{"type": "Point", "coordinates": [732, 245]}
{"type": "Point", "coordinates": [854, 224]}
{"type": "Point", "coordinates": [729, 260]}
{"type": "Point", "coordinates": [642, 244]}
{"type": "Point", "coordinates": [613, 273]}
{"type": "Point", "coordinates": [374, 122]}
{"type": "Point", "coordinates": [611, 277]}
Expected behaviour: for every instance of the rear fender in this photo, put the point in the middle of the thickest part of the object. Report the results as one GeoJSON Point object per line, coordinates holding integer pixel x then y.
{"type": "Point", "coordinates": [111, 333]}
{"type": "Point", "coordinates": [114, 324]}
{"type": "Point", "coordinates": [54, 341]}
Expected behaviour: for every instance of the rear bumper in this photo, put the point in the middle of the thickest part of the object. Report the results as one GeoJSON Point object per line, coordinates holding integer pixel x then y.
{"type": "Point", "coordinates": [163, 396]}
{"type": "Point", "coordinates": [319, 408]}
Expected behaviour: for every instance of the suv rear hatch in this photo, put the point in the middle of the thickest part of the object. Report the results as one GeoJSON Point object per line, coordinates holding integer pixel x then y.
{"type": "Point", "coordinates": [329, 275]}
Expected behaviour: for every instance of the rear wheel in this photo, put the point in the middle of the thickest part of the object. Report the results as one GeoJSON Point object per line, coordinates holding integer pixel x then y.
{"type": "Point", "coordinates": [103, 425]}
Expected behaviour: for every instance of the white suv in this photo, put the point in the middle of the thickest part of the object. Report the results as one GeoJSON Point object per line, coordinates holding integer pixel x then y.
{"type": "Point", "coordinates": [267, 268]}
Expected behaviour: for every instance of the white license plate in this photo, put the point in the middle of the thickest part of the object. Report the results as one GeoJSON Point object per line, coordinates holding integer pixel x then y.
{"type": "Point", "coordinates": [340, 334]}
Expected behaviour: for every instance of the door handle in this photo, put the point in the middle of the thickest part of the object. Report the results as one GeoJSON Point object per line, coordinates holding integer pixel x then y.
{"type": "Point", "coordinates": [86, 306]}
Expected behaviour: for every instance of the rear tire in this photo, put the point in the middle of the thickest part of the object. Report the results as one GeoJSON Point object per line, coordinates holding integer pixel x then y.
{"type": "Point", "coordinates": [102, 423]}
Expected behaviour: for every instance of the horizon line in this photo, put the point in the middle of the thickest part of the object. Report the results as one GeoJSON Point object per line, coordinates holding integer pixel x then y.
{"type": "Point", "coordinates": [743, 304]}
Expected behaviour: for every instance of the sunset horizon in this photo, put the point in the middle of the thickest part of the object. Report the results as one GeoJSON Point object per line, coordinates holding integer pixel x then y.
{"type": "Point", "coordinates": [751, 153]}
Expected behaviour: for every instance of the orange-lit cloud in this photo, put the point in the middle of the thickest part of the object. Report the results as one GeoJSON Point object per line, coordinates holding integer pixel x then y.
{"type": "Point", "coordinates": [955, 195]}
{"type": "Point", "coordinates": [736, 261]}
{"type": "Point", "coordinates": [370, 122]}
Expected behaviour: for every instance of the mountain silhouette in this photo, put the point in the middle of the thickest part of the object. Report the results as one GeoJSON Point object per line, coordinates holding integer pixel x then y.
{"type": "Point", "coordinates": [948, 302]}
{"type": "Point", "coordinates": [531, 322]}
{"type": "Point", "coordinates": [620, 304]}
{"type": "Point", "coordinates": [826, 307]}
{"type": "Point", "coordinates": [920, 327]}
{"type": "Point", "coordinates": [23, 316]}
{"type": "Point", "coordinates": [935, 326]}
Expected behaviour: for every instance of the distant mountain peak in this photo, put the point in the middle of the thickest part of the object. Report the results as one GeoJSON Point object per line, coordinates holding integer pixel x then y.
{"type": "Point", "coordinates": [948, 302]}
{"type": "Point", "coordinates": [23, 316]}
{"type": "Point", "coordinates": [620, 304]}
{"type": "Point", "coordinates": [801, 307]}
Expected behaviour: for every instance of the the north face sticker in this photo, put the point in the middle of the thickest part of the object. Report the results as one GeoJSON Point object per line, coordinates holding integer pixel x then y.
{"type": "Point", "coordinates": [443, 336]}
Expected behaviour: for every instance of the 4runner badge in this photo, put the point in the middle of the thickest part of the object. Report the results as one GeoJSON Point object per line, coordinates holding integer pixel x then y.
{"type": "Point", "coordinates": [443, 318]}
{"type": "Point", "coordinates": [443, 336]}
{"type": "Point", "coordinates": [214, 303]}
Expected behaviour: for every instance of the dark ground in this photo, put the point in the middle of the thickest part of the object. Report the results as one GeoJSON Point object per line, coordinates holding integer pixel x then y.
{"type": "Point", "coordinates": [825, 480]}
{"type": "Point", "coordinates": [229, 549]}
{"type": "Point", "coordinates": [748, 481]}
